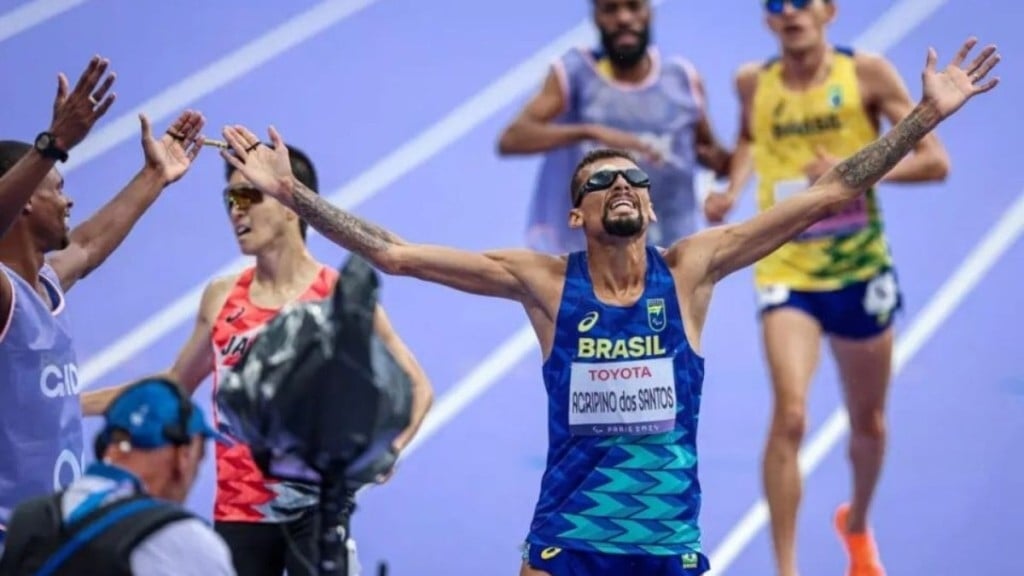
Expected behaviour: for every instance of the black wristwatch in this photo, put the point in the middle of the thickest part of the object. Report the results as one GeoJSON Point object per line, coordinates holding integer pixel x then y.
{"type": "Point", "coordinates": [46, 145]}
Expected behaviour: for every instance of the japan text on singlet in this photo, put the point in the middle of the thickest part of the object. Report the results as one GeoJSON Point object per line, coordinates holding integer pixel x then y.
{"type": "Point", "coordinates": [787, 127]}
{"type": "Point", "coordinates": [624, 391]}
{"type": "Point", "coordinates": [663, 111]}
{"type": "Point", "coordinates": [41, 446]}
{"type": "Point", "coordinates": [244, 494]}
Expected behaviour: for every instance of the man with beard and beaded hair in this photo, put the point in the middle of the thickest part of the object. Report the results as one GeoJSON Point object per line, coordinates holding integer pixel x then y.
{"type": "Point", "coordinates": [626, 96]}
{"type": "Point", "coordinates": [619, 328]}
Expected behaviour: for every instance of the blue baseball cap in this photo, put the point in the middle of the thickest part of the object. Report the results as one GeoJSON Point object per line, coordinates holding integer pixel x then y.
{"type": "Point", "coordinates": [156, 412]}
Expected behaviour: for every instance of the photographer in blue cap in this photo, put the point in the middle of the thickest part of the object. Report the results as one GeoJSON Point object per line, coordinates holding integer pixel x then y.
{"type": "Point", "coordinates": [125, 515]}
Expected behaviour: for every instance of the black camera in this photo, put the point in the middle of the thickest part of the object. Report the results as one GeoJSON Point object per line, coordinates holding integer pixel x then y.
{"type": "Point", "coordinates": [319, 399]}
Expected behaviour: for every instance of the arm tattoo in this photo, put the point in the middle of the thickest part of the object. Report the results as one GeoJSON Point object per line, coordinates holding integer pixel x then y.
{"type": "Point", "coordinates": [341, 227]}
{"type": "Point", "coordinates": [865, 168]}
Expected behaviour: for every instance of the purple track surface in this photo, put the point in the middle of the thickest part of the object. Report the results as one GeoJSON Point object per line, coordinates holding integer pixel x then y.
{"type": "Point", "coordinates": [461, 504]}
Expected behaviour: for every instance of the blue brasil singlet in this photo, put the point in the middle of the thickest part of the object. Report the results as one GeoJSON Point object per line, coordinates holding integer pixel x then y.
{"type": "Point", "coordinates": [624, 391]}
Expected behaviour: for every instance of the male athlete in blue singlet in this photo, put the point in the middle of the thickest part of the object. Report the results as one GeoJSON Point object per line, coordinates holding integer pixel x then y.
{"type": "Point", "coordinates": [41, 445]}
{"type": "Point", "coordinates": [619, 326]}
{"type": "Point", "coordinates": [625, 95]}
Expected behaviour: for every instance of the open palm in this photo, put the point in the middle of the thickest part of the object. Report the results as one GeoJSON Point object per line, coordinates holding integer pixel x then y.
{"type": "Point", "coordinates": [951, 88]}
{"type": "Point", "coordinates": [268, 168]}
{"type": "Point", "coordinates": [173, 153]}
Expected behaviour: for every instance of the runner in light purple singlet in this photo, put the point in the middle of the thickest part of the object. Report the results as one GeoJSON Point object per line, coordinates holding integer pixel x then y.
{"type": "Point", "coordinates": [41, 446]}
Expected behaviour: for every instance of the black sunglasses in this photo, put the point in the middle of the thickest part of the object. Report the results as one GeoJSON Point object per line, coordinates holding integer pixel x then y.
{"type": "Point", "coordinates": [777, 6]}
{"type": "Point", "coordinates": [603, 179]}
{"type": "Point", "coordinates": [241, 197]}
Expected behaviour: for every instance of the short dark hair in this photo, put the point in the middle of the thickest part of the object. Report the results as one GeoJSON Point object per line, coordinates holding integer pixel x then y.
{"type": "Point", "coordinates": [593, 157]}
{"type": "Point", "coordinates": [302, 168]}
{"type": "Point", "coordinates": [10, 152]}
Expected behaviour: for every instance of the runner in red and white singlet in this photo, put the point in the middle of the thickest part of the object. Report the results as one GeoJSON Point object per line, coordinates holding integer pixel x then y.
{"type": "Point", "coordinates": [270, 526]}
{"type": "Point", "coordinates": [243, 493]}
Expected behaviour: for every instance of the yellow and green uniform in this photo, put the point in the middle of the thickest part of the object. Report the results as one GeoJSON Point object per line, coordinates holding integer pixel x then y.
{"type": "Point", "coordinates": [787, 127]}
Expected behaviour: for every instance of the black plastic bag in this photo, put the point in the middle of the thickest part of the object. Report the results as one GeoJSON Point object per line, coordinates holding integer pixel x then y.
{"type": "Point", "coordinates": [318, 397]}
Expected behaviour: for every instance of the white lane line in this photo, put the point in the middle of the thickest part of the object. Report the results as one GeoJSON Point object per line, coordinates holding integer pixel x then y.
{"type": "Point", "coordinates": [32, 14]}
{"type": "Point", "coordinates": [493, 368]}
{"type": "Point", "coordinates": [229, 68]}
{"type": "Point", "coordinates": [950, 296]}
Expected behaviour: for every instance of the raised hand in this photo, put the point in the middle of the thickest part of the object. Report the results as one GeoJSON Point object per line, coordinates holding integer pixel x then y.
{"type": "Point", "coordinates": [267, 168]}
{"type": "Point", "coordinates": [76, 112]}
{"type": "Point", "coordinates": [173, 154]}
{"type": "Point", "coordinates": [951, 88]}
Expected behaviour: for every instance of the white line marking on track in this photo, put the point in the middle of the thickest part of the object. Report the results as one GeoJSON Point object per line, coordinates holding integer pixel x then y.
{"type": "Point", "coordinates": [464, 392]}
{"type": "Point", "coordinates": [33, 14]}
{"type": "Point", "coordinates": [229, 68]}
{"type": "Point", "coordinates": [414, 153]}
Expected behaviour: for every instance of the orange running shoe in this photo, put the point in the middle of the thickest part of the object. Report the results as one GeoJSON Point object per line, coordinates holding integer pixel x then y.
{"type": "Point", "coordinates": [860, 548]}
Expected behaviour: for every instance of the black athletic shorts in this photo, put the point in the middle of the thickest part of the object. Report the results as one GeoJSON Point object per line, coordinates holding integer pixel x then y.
{"type": "Point", "coordinates": [266, 549]}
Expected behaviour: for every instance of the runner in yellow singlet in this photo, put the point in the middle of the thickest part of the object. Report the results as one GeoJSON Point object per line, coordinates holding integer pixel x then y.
{"type": "Point", "coordinates": [802, 112]}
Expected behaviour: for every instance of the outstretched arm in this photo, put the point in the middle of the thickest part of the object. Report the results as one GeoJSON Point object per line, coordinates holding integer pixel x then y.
{"type": "Point", "coordinates": [487, 273]}
{"type": "Point", "coordinates": [499, 273]}
{"type": "Point", "coordinates": [167, 160]}
{"type": "Point", "coordinates": [929, 161]}
{"type": "Point", "coordinates": [93, 241]}
{"type": "Point", "coordinates": [730, 248]}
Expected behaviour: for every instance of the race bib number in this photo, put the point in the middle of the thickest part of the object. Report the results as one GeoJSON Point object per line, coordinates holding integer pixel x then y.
{"type": "Point", "coordinates": [881, 296]}
{"type": "Point", "coordinates": [772, 295]}
{"type": "Point", "coordinates": [617, 398]}
{"type": "Point", "coordinates": [853, 218]}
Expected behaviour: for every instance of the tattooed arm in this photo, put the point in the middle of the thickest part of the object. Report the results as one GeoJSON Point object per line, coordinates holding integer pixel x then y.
{"type": "Point", "coordinates": [718, 252]}
{"type": "Point", "coordinates": [499, 273]}
{"type": "Point", "coordinates": [721, 251]}
{"type": "Point", "coordinates": [511, 274]}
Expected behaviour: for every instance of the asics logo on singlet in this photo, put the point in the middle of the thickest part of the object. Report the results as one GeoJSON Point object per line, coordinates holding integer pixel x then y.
{"type": "Point", "coordinates": [587, 322]}
{"type": "Point", "coordinates": [808, 126]}
{"type": "Point", "coordinates": [549, 553]}
{"type": "Point", "coordinates": [59, 380]}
